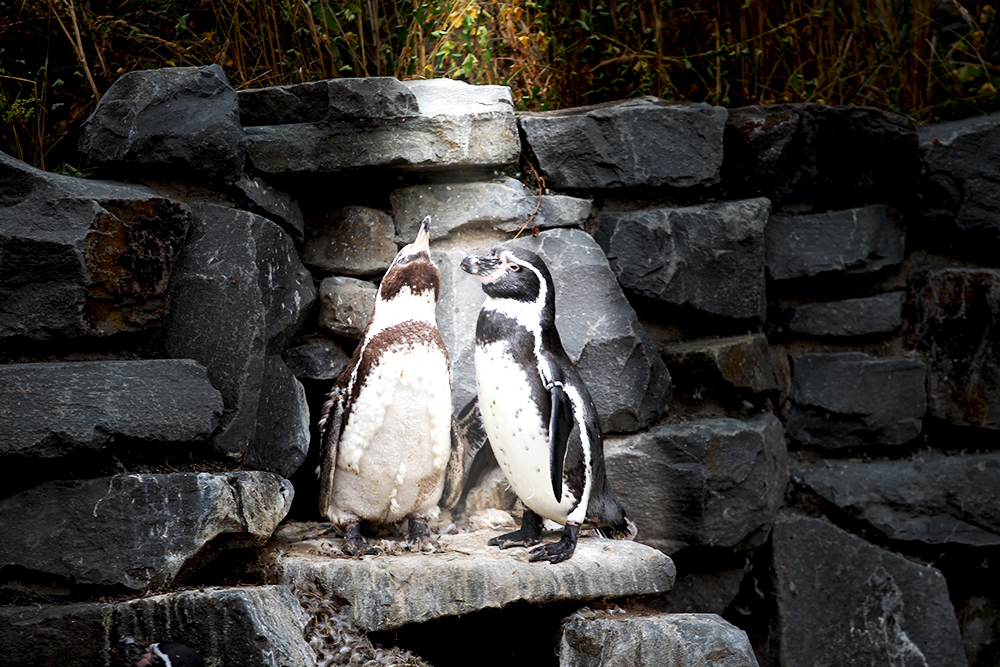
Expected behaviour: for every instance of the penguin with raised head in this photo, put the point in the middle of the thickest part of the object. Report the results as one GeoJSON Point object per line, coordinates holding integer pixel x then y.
{"type": "Point", "coordinates": [539, 416]}
{"type": "Point", "coordinates": [386, 425]}
{"type": "Point", "coordinates": [158, 654]}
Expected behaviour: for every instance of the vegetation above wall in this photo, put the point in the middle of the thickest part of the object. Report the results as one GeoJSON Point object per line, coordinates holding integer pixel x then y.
{"type": "Point", "coordinates": [928, 59]}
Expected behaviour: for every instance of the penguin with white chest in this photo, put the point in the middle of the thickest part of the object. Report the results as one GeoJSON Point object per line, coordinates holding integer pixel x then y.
{"type": "Point", "coordinates": [539, 416]}
{"type": "Point", "coordinates": [386, 425]}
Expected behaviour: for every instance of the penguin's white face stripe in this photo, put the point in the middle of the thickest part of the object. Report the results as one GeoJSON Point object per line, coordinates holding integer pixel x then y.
{"type": "Point", "coordinates": [155, 650]}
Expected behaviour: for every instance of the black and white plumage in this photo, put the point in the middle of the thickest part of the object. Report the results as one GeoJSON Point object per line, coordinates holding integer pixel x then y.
{"type": "Point", "coordinates": [539, 416]}
{"type": "Point", "coordinates": [386, 425]}
{"type": "Point", "coordinates": [158, 654]}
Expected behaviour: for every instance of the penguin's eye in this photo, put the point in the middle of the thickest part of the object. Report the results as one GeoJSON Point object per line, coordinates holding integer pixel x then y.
{"type": "Point", "coordinates": [515, 267]}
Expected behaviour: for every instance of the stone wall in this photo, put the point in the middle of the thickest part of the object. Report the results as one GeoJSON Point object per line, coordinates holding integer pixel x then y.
{"type": "Point", "coordinates": [787, 316]}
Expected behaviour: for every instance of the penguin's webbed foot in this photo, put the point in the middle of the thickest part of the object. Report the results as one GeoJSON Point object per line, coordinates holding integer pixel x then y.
{"type": "Point", "coordinates": [418, 537]}
{"type": "Point", "coordinates": [355, 544]}
{"type": "Point", "coordinates": [528, 535]}
{"type": "Point", "coordinates": [559, 551]}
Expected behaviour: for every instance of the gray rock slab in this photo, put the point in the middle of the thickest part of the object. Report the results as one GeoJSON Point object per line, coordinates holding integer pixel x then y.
{"type": "Point", "coordinates": [959, 309]}
{"type": "Point", "coordinates": [879, 314]}
{"type": "Point", "coordinates": [390, 591]}
{"type": "Point", "coordinates": [81, 257]}
{"type": "Point", "coordinates": [644, 142]}
{"type": "Point", "coordinates": [709, 256]}
{"type": "Point", "coordinates": [345, 305]}
{"type": "Point", "coordinates": [315, 358]}
{"type": "Point", "coordinates": [741, 362]}
{"type": "Point", "coordinates": [238, 296]}
{"type": "Point", "coordinates": [859, 240]}
{"type": "Point", "coordinates": [352, 241]}
{"type": "Point", "coordinates": [960, 186]}
{"type": "Point", "coordinates": [261, 625]}
{"type": "Point", "coordinates": [831, 156]}
{"type": "Point", "coordinates": [627, 379]}
{"type": "Point", "coordinates": [932, 498]}
{"type": "Point", "coordinates": [137, 531]}
{"type": "Point", "coordinates": [842, 601]}
{"type": "Point", "coordinates": [504, 204]}
{"type": "Point", "coordinates": [849, 399]}
{"type": "Point", "coordinates": [713, 482]}
{"type": "Point", "coordinates": [48, 410]}
{"type": "Point", "coordinates": [667, 640]}
{"type": "Point", "coordinates": [273, 203]}
{"type": "Point", "coordinates": [459, 126]}
{"type": "Point", "coordinates": [363, 97]}
{"type": "Point", "coordinates": [185, 119]}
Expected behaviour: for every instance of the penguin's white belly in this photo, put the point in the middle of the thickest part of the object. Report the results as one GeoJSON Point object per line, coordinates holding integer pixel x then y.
{"type": "Point", "coordinates": [395, 446]}
{"type": "Point", "coordinates": [518, 434]}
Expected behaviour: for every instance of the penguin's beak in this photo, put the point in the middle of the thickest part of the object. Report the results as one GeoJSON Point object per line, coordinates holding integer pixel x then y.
{"type": "Point", "coordinates": [423, 240]}
{"type": "Point", "coordinates": [481, 267]}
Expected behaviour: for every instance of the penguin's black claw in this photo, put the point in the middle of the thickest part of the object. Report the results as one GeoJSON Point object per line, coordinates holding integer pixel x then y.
{"type": "Point", "coordinates": [418, 537]}
{"type": "Point", "coordinates": [355, 544]}
{"type": "Point", "coordinates": [561, 550]}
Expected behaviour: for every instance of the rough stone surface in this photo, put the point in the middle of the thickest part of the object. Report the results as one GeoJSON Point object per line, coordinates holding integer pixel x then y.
{"type": "Point", "coordinates": [504, 204]}
{"type": "Point", "coordinates": [48, 410]}
{"type": "Point", "coordinates": [960, 187]}
{"type": "Point", "coordinates": [458, 126]}
{"type": "Point", "coordinates": [668, 640]}
{"type": "Point", "coordinates": [238, 296]}
{"type": "Point", "coordinates": [933, 499]}
{"type": "Point", "coordinates": [81, 257]}
{"type": "Point", "coordinates": [714, 482]}
{"type": "Point", "coordinates": [353, 241]}
{"type": "Point", "coordinates": [742, 362]}
{"type": "Point", "coordinates": [182, 118]}
{"type": "Point", "coordinates": [314, 101]}
{"type": "Point", "coordinates": [345, 305]}
{"type": "Point", "coordinates": [820, 155]}
{"type": "Point", "coordinates": [879, 314]}
{"type": "Point", "coordinates": [643, 142]}
{"type": "Point", "coordinates": [702, 592]}
{"type": "Point", "coordinates": [274, 204]}
{"type": "Point", "coordinates": [709, 256]}
{"type": "Point", "coordinates": [240, 626]}
{"type": "Point", "coordinates": [627, 379]}
{"type": "Point", "coordinates": [960, 315]}
{"type": "Point", "coordinates": [466, 575]}
{"type": "Point", "coordinates": [94, 535]}
{"type": "Point", "coordinates": [849, 399]}
{"type": "Point", "coordinates": [316, 358]}
{"type": "Point", "coordinates": [860, 240]}
{"type": "Point", "coordinates": [844, 602]}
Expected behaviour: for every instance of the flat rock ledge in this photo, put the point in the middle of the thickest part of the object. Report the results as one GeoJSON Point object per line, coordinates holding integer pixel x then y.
{"type": "Point", "coordinates": [465, 575]}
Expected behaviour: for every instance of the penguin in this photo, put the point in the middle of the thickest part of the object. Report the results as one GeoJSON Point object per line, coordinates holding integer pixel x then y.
{"type": "Point", "coordinates": [538, 414]}
{"type": "Point", "coordinates": [158, 654]}
{"type": "Point", "coordinates": [385, 428]}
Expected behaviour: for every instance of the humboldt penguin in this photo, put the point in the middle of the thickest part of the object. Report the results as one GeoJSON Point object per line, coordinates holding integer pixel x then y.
{"type": "Point", "coordinates": [538, 414]}
{"type": "Point", "coordinates": [158, 654]}
{"type": "Point", "coordinates": [385, 428]}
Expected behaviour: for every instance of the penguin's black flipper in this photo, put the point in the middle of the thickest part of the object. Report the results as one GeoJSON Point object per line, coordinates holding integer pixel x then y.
{"type": "Point", "coordinates": [330, 426]}
{"type": "Point", "coordinates": [560, 425]}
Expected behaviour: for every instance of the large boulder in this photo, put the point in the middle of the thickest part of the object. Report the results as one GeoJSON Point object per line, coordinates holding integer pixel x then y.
{"type": "Point", "coordinates": [503, 204]}
{"type": "Point", "coordinates": [850, 399]}
{"type": "Point", "coordinates": [184, 119]}
{"type": "Point", "coordinates": [959, 312]}
{"type": "Point", "coordinates": [49, 410]}
{"type": "Point", "coordinates": [960, 188]}
{"type": "Point", "coordinates": [238, 296]}
{"type": "Point", "coordinates": [668, 640]}
{"type": "Point", "coordinates": [352, 241]}
{"type": "Point", "coordinates": [138, 531]}
{"type": "Point", "coordinates": [709, 256]}
{"type": "Point", "coordinates": [714, 482]}
{"type": "Point", "coordinates": [262, 625]}
{"type": "Point", "coordinates": [864, 316]}
{"type": "Point", "coordinates": [81, 257]}
{"type": "Point", "coordinates": [860, 240]}
{"type": "Point", "coordinates": [933, 499]}
{"type": "Point", "coordinates": [380, 122]}
{"type": "Point", "coordinates": [843, 602]}
{"type": "Point", "coordinates": [735, 362]}
{"type": "Point", "coordinates": [466, 575]}
{"type": "Point", "coordinates": [646, 142]}
{"type": "Point", "coordinates": [627, 379]}
{"type": "Point", "coordinates": [830, 156]}
{"type": "Point", "coordinates": [346, 305]}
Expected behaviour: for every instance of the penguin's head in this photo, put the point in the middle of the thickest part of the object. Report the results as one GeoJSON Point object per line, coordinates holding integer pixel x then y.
{"type": "Point", "coordinates": [133, 651]}
{"type": "Point", "coordinates": [412, 269]}
{"type": "Point", "coordinates": [511, 273]}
